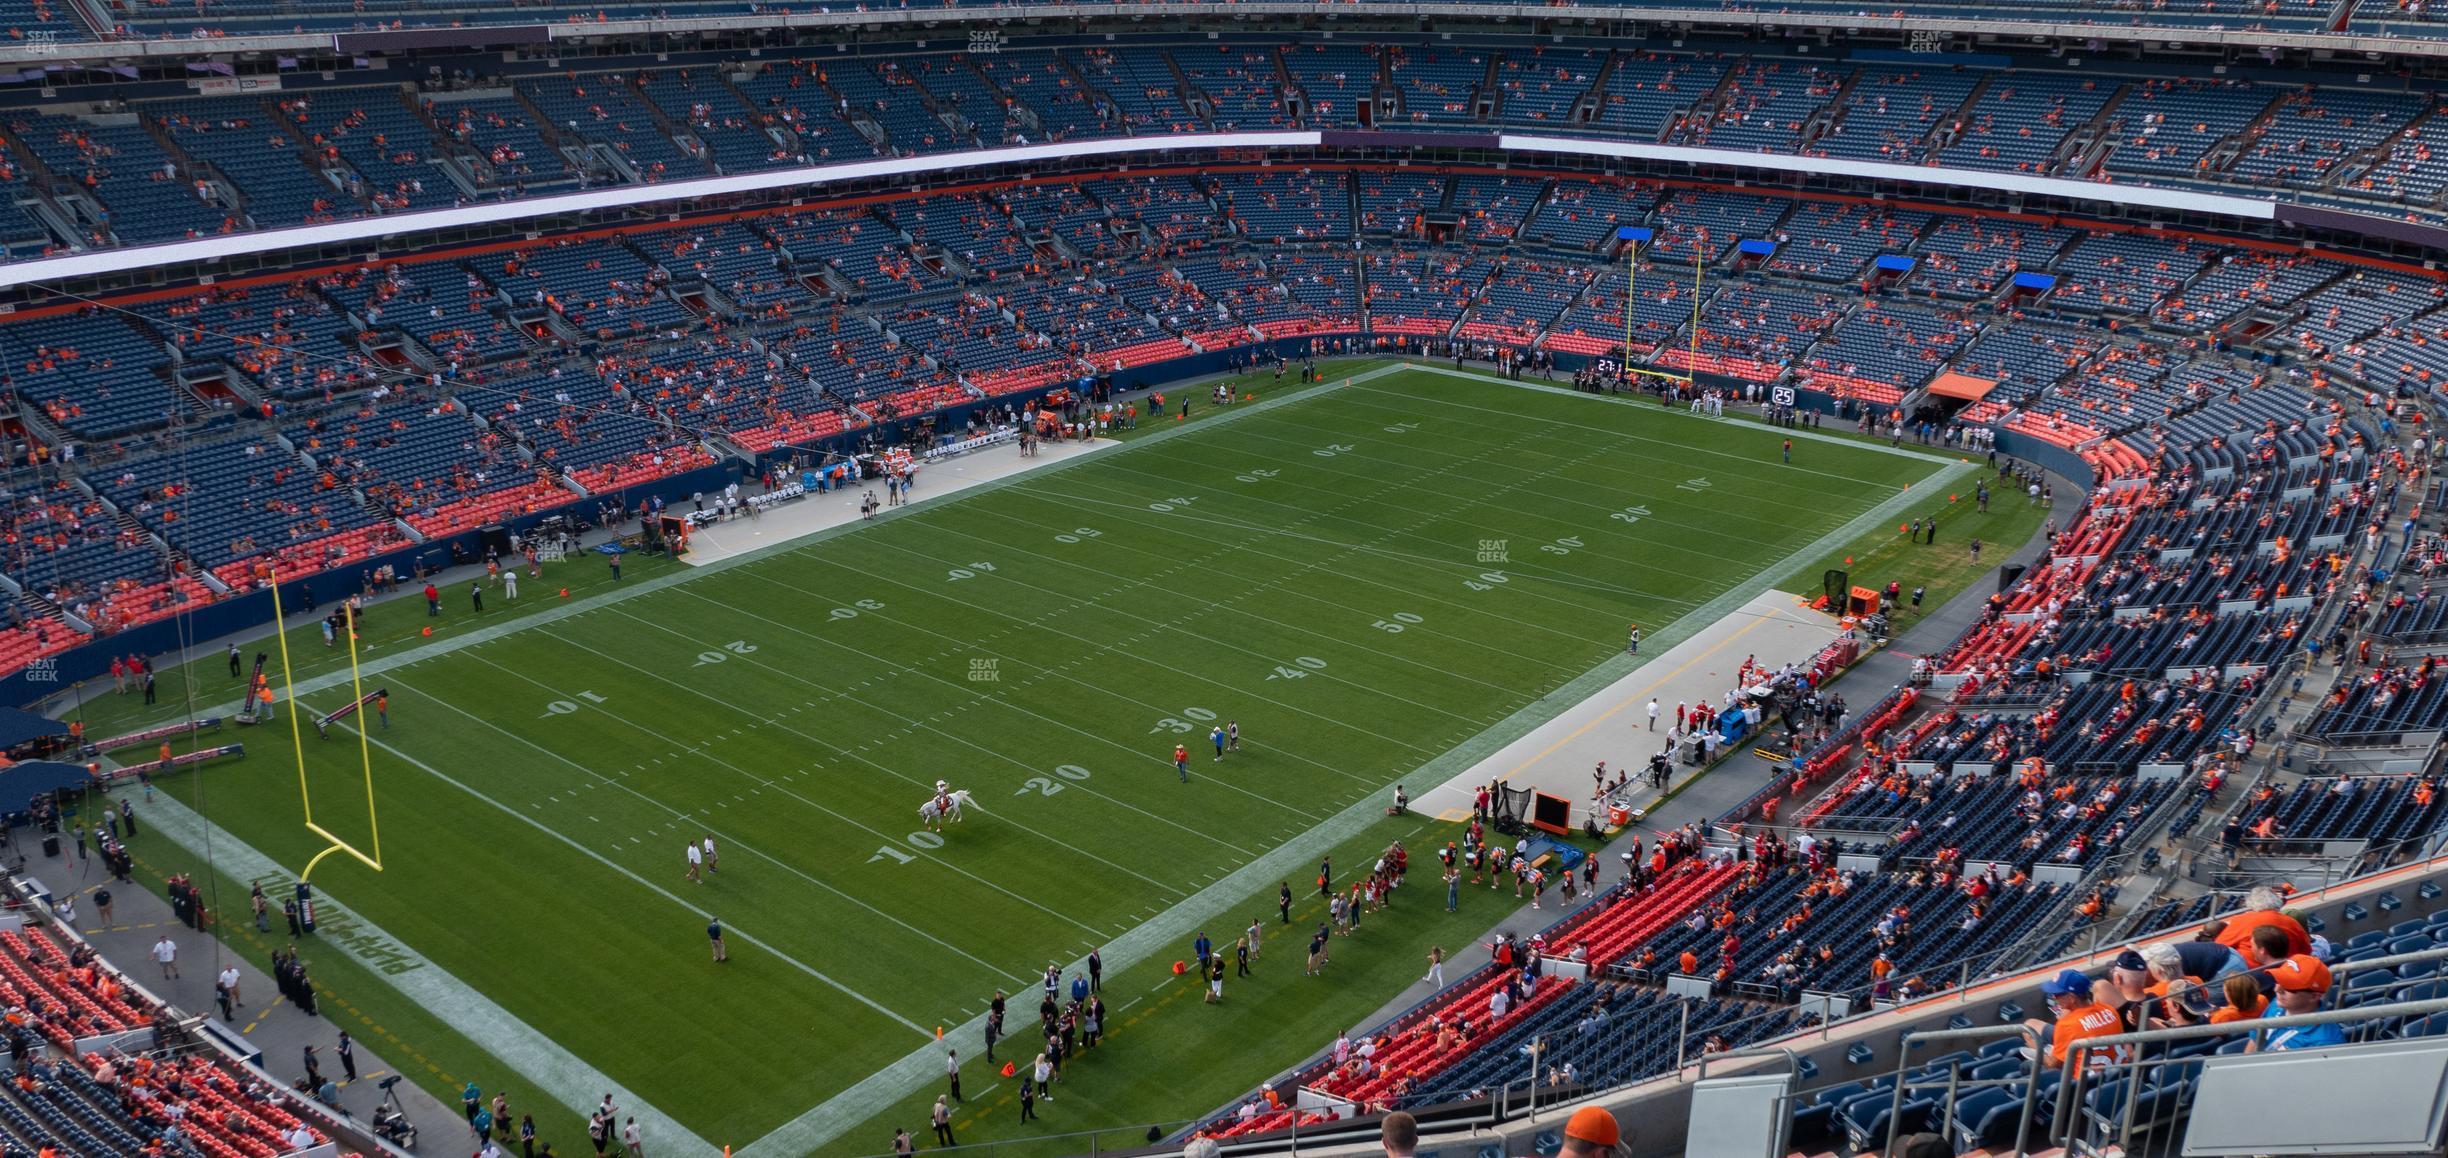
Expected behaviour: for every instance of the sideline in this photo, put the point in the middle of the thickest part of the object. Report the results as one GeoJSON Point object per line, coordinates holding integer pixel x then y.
{"type": "Point", "coordinates": [827, 1121]}
{"type": "Point", "coordinates": [627, 591]}
{"type": "Point", "coordinates": [560, 1074]}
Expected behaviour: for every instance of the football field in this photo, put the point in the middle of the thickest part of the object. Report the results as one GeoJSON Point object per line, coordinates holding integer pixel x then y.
{"type": "Point", "coordinates": [1362, 576]}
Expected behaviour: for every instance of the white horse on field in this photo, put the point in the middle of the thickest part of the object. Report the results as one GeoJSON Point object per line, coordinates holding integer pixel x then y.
{"type": "Point", "coordinates": [935, 813]}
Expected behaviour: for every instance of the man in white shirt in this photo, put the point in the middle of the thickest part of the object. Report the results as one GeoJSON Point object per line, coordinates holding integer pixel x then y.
{"type": "Point", "coordinates": [1501, 1001]}
{"type": "Point", "coordinates": [696, 861]}
{"type": "Point", "coordinates": [165, 951]}
{"type": "Point", "coordinates": [629, 1138]}
{"type": "Point", "coordinates": [229, 981]}
{"type": "Point", "coordinates": [301, 1138]}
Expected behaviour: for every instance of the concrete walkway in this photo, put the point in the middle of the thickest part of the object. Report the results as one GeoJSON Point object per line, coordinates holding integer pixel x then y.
{"type": "Point", "coordinates": [1702, 795]}
{"type": "Point", "coordinates": [141, 917]}
{"type": "Point", "coordinates": [808, 514]}
{"type": "Point", "coordinates": [1614, 725]}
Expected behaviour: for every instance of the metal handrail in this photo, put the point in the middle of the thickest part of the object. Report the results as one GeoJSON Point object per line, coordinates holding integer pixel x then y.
{"type": "Point", "coordinates": [2031, 1089]}
{"type": "Point", "coordinates": [2061, 1129]}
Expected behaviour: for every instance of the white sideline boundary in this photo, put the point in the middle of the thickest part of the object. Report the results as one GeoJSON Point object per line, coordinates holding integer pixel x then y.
{"type": "Point", "coordinates": [626, 591]}
{"type": "Point", "coordinates": [827, 1121]}
{"type": "Point", "coordinates": [557, 1072]}
{"type": "Point", "coordinates": [562, 1075]}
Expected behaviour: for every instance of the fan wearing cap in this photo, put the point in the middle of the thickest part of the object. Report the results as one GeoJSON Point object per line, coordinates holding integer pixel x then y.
{"type": "Point", "coordinates": [2084, 1010]}
{"type": "Point", "coordinates": [1590, 1133]}
{"type": "Point", "coordinates": [2302, 981]}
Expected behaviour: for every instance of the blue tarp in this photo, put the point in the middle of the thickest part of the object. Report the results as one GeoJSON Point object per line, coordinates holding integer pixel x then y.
{"type": "Point", "coordinates": [1757, 248]}
{"type": "Point", "coordinates": [2042, 282]}
{"type": "Point", "coordinates": [1894, 263]}
{"type": "Point", "coordinates": [18, 727]}
{"type": "Point", "coordinates": [1634, 233]}
{"type": "Point", "coordinates": [21, 783]}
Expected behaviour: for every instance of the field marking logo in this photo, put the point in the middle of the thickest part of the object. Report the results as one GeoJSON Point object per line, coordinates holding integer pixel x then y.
{"type": "Point", "coordinates": [1494, 551]}
{"type": "Point", "coordinates": [983, 670]}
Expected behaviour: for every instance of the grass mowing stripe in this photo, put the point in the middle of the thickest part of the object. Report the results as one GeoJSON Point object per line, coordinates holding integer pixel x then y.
{"type": "Point", "coordinates": [1370, 546]}
{"type": "Point", "coordinates": [1227, 604]}
{"type": "Point", "coordinates": [1069, 847]}
{"type": "Point", "coordinates": [798, 546]}
{"type": "Point", "coordinates": [827, 1121]}
{"type": "Point", "coordinates": [776, 786]}
{"type": "Point", "coordinates": [1587, 457]}
{"type": "Point", "coordinates": [1112, 646]}
{"type": "Point", "coordinates": [643, 883]}
{"type": "Point", "coordinates": [1497, 651]}
{"type": "Point", "coordinates": [1155, 817]}
{"type": "Point", "coordinates": [729, 837]}
{"type": "Point", "coordinates": [1551, 502]}
{"type": "Point", "coordinates": [897, 715]}
{"type": "Point", "coordinates": [568, 1077]}
{"type": "Point", "coordinates": [1798, 434]}
{"type": "Point", "coordinates": [1173, 626]}
{"type": "Point", "coordinates": [1178, 626]}
{"type": "Point", "coordinates": [1769, 491]}
{"type": "Point", "coordinates": [1408, 593]}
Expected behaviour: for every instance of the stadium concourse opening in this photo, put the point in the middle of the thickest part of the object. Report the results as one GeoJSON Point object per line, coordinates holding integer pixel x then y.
{"type": "Point", "coordinates": [822, 538]}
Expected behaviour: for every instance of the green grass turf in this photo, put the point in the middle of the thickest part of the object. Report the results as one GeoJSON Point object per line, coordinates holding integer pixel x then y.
{"type": "Point", "coordinates": [534, 789]}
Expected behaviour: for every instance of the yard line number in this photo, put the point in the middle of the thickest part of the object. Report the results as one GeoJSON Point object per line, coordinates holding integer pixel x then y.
{"type": "Point", "coordinates": [565, 707]}
{"type": "Point", "coordinates": [1194, 717]}
{"type": "Point", "coordinates": [1299, 668]}
{"type": "Point", "coordinates": [971, 571]}
{"type": "Point", "coordinates": [1403, 620]}
{"type": "Point", "coordinates": [1078, 533]}
{"type": "Point", "coordinates": [735, 647]}
{"type": "Point", "coordinates": [852, 611]}
{"type": "Point", "coordinates": [1044, 787]}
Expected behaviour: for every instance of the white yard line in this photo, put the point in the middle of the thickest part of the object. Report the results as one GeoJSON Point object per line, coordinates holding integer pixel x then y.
{"type": "Point", "coordinates": [560, 1074]}
{"type": "Point", "coordinates": [626, 591]}
{"type": "Point", "coordinates": [830, 1119]}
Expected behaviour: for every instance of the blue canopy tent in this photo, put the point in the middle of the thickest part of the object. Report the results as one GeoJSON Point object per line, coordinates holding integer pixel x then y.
{"type": "Point", "coordinates": [1893, 263]}
{"type": "Point", "coordinates": [1634, 233]}
{"type": "Point", "coordinates": [20, 784]}
{"type": "Point", "coordinates": [2038, 283]}
{"type": "Point", "coordinates": [18, 726]}
{"type": "Point", "coordinates": [1756, 248]}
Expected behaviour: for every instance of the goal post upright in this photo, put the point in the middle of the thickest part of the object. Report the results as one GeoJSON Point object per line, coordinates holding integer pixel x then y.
{"type": "Point", "coordinates": [297, 741]}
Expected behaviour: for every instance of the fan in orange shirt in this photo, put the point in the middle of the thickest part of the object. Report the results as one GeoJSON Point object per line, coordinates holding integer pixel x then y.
{"type": "Point", "coordinates": [2261, 907]}
{"type": "Point", "coordinates": [2081, 1014]}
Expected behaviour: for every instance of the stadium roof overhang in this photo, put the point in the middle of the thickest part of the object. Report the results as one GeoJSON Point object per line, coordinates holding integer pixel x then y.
{"type": "Point", "coordinates": [816, 178]}
{"type": "Point", "coordinates": [1897, 23]}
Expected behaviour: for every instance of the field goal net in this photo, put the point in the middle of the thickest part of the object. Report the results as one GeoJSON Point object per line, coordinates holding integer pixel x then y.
{"type": "Point", "coordinates": [1515, 807]}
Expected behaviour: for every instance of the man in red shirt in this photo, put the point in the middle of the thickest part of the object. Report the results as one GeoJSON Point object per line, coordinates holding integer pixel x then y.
{"type": "Point", "coordinates": [433, 601]}
{"type": "Point", "coordinates": [1181, 762]}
